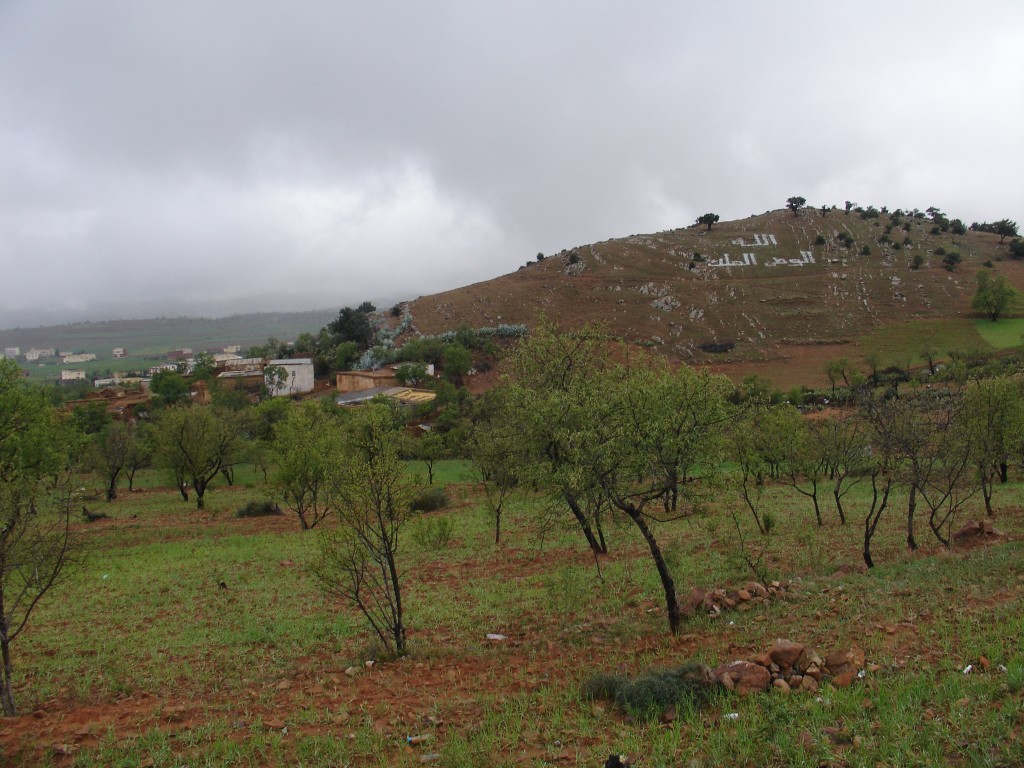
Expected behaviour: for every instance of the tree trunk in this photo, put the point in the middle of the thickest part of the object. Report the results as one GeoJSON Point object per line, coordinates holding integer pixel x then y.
{"type": "Point", "coordinates": [6, 691]}
{"type": "Point", "coordinates": [987, 481]}
{"type": "Point", "coordinates": [598, 547]}
{"type": "Point", "coordinates": [667, 583]}
{"type": "Point", "coordinates": [398, 630]}
{"type": "Point", "coordinates": [839, 502]}
{"type": "Point", "coordinates": [112, 487]}
{"type": "Point", "coordinates": [911, 506]}
{"type": "Point", "coordinates": [1003, 469]}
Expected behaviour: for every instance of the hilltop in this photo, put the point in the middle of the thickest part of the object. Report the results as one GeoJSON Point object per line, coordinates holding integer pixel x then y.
{"type": "Point", "coordinates": [775, 294]}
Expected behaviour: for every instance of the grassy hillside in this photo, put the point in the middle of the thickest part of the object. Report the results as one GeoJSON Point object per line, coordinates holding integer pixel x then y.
{"type": "Point", "coordinates": [780, 293]}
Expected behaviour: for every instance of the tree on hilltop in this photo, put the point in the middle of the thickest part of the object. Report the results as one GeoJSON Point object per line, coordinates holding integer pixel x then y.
{"type": "Point", "coordinates": [795, 204]}
{"type": "Point", "coordinates": [1005, 228]}
{"type": "Point", "coordinates": [708, 219]}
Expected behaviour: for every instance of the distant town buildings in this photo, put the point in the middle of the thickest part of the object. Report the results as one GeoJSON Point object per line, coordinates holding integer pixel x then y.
{"type": "Point", "coordinates": [83, 357]}
{"type": "Point", "coordinates": [119, 353]}
{"type": "Point", "coordinates": [12, 353]}
{"type": "Point", "coordinates": [72, 374]}
{"type": "Point", "coordinates": [34, 355]}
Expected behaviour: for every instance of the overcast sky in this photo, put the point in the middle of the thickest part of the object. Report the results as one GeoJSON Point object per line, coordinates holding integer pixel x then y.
{"type": "Point", "coordinates": [214, 157]}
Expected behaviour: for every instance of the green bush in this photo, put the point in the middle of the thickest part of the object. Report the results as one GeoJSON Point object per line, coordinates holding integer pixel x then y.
{"type": "Point", "coordinates": [259, 509]}
{"type": "Point", "coordinates": [646, 697]}
{"type": "Point", "coordinates": [433, 534]}
{"type": "Point", "coordinates": [430, 500]}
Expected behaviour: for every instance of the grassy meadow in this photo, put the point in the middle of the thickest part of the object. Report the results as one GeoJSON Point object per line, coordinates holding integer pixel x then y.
{"type": "Point", "coordinates": [200, 639]}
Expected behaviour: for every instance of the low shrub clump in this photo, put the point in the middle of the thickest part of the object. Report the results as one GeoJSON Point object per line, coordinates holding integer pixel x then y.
{"type": "Point", "coordinates": [430, 500]}
{"type": "Point", "coordinates": [259, 509]}
{"type": "Point", "coordinates": [433, 534]}
{"type": "Point", "coordinates": [649, 696]}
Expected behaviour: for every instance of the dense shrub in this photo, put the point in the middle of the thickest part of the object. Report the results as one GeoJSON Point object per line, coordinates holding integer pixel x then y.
{"type": "Point", "coordinates": [259, 509]}
{"type": "Point", "coordinates": [647, 696]}
{"type": "Point", "coordinates": [430, 500]}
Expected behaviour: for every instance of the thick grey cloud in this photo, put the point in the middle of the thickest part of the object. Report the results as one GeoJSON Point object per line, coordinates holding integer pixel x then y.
{"type": "Point", "coordinates": [216, 157]}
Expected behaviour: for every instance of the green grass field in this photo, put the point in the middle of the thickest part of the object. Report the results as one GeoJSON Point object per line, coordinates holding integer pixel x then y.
{"type": "Point", "coordinates": [144, 656]}
{"type": "Point", "coordinates": [903, 342]}
{"type": "Point", "coordinates": [1005, 333]}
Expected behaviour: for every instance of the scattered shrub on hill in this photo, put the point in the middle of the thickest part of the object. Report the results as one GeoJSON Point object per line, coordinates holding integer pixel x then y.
{"type": "Point", "coordinates": [574, 258]}
{"type": "Point", "coordinates": [819, 240]}
{"type": "Point", "coordinates": [718, 346]}
{"type": "Point", "coordinates": [884, 239]}
{"type": "Point", "coordinates": [917, 261]}
{"type": "Point", "coordinates": [866, 250]}
{"type": "Point", "coordinates": [940, 251]}
{"type": "Point", "coordinates": [1017, 249]}
{"type": "Point", "coordinates": [430, 500]}
{"type": "Point", "coordinates": [259, 509]}
{"type": "Point", "coordinates": [540, 257]}
{"type": "Point", "coordinates": [648, 696]}
{"type": "Point", "coordinates": [950, 260]}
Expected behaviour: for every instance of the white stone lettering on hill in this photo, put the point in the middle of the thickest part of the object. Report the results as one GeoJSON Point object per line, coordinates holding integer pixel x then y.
{"type": "Point", "coordinates": [748, 260]}
{"type": "Point", "coordinates": [758, 240]}
{"type": "Point", "coordinates": [806, 257]}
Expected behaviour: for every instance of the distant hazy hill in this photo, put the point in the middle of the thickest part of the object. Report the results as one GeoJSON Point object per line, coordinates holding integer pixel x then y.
{"type": "Point", "coordinates": [774, 293]}
{"type": "Point", "coordinates": [160, 335]}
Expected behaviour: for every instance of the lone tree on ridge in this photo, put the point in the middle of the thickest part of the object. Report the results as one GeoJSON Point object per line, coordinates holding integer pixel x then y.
{"type": "Point", "coordinates": [708, 219]}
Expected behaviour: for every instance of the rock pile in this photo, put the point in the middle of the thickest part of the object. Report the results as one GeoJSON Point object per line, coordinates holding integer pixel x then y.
{"type": "Point", "coordinates": [976, 529]}
{"type": "Point", "coordinates": [789, 666]}
{"type": "Point", "coordinates": [717, 601]}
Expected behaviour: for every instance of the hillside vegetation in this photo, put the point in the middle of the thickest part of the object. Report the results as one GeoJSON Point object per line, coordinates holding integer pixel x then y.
{"type": "Point", "coordinates": [776, 293]}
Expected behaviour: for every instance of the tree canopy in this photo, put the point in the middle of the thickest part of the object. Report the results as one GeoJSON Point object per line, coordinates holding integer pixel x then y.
{"type": "Point", "coordinates": [994, 295]}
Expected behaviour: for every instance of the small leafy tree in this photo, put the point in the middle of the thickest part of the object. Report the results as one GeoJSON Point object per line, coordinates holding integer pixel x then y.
{"type": "Point", "coordinates": [37, 547]}
{"type": "Point", "coordinates": [708, 220]}
{"type": "Point", "coordinates": [430, 448]}
{"type": "Point", "coordinates": [994, 421]}
{"type": "Point", "coordinates": [795, 204]}
{"type": "Point", "coordinates": [310, 450]}
{"type": "Point", "coordinates": [456, 361]}
{"type": "Point", "coordinates": [358, 562]}
{"type": "Point", "coordinates": [1005, 228]}
{"type": "Point", "coordinates": [993, 296]}
{"type": "Point", "coordinates": [111, 451]}
{"type": "Point", "coordinates": [196, 443]}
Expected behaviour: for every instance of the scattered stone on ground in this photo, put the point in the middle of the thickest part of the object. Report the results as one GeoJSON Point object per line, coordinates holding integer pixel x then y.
{"type": "Point", "coordinates": [715, 601]}
{"type": "Point", "coordinates": [788, 666]}
{"type": "Point", "coordinates": [976, 529]}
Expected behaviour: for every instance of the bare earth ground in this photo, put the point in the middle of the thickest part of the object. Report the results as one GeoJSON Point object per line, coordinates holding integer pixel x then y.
{"type": "Point", "coordinates": [454, 677]}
